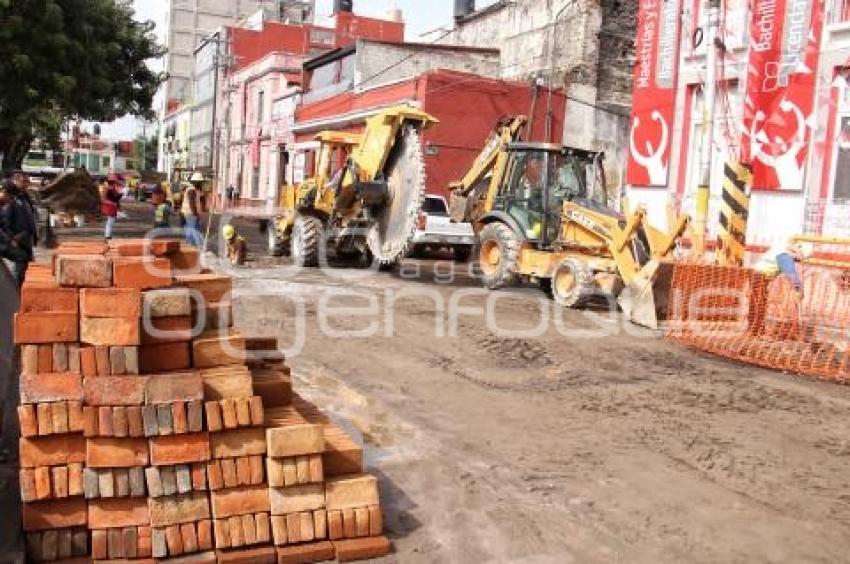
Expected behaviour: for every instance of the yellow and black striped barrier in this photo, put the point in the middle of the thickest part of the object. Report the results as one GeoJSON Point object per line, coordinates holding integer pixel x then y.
{"type": "Point", "coordinates": [734, 213]}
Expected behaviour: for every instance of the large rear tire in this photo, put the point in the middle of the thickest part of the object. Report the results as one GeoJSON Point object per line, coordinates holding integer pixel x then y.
{"type": "Point", "coordinates": [572, 283]}
{"type": "Point", "coordinates": [498, 256]}
{"type": "Point", "coordinates": [305, 240]}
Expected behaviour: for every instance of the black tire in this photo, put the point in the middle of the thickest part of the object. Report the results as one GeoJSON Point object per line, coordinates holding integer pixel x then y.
{"type": "Point", "coordinates": [276, 245]}
{"type": "Point", "coordinates": [498, 255]}
{"type": "Point", "coordinates": [572, 283]}
{"type": "Point", "coordinates": [462, 253]}
{"type": "Point", "coordinates": [305, 239]}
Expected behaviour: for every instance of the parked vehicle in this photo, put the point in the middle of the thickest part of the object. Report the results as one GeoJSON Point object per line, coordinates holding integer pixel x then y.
{"type": "Point", "coordinates": [435, 230]}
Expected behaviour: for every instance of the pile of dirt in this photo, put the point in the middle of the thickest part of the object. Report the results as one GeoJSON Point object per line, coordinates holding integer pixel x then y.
{"type": "Point", "coordinates": [75, 192]}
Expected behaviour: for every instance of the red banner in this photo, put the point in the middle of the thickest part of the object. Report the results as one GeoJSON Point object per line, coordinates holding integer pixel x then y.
{"type": "Point", "coordinates": [783, 63]}
{"type": "Point", "coordinates": [654, 95]}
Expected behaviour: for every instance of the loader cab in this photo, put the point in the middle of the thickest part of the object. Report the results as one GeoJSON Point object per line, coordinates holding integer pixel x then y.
{"type": "Point", "coordinates": [539, 179]}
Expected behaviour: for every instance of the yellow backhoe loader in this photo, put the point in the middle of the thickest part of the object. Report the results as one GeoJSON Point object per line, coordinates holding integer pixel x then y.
{"type": "Point", "coordinates": [365, 195]}
{"type": "Point", "coordinates": [541, 213]}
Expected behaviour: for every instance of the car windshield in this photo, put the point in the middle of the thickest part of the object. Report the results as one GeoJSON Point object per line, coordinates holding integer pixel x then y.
{"type": "Point", "coordinates": [435, 206]}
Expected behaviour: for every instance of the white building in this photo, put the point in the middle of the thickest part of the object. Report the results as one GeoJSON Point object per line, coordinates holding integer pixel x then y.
{"type": "Point", "coordinates": [813, 193]}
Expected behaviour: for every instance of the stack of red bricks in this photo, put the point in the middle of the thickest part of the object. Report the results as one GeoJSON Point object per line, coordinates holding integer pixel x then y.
{"type": "Point", "coordinates": [153, 431]}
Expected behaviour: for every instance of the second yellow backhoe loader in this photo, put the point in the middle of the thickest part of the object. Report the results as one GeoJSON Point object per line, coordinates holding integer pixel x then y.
{"type": "Point", "coordinates": [365, 195]}
{"type": "Point", "coordinates": [541, 213]}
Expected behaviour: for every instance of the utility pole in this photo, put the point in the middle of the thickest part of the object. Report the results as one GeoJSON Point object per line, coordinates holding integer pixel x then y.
{"type": "Point", "coordinates": [709, 103]}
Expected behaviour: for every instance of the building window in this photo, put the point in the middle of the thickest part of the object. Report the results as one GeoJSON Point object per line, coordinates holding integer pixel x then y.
{"type": "Point", "coordinates": [107, 162]}
{"type": "Point", "coordinates": [839, 11]}
{"type": "Point", "coordinates": [261, 95]}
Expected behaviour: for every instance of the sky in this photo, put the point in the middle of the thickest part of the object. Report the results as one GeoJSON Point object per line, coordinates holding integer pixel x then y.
{"type": "Point", "coordinates": [422, 17]}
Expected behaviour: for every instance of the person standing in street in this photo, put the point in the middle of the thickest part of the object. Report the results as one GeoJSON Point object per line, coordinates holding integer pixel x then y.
{"type": "Point", "coordinates": [191, 210]}
{"type": "Point", "coordinates": [18, 227]}
{"type": "Point", "coordinates": [109, 205]}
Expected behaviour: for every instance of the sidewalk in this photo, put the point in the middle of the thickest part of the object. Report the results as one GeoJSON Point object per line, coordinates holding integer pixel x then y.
{"type": "Point", "coordinates": [10, 540]}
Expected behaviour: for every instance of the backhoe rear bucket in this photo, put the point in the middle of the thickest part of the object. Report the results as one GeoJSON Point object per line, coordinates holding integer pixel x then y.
{"type": "Point", "coordinates": [644, 299]}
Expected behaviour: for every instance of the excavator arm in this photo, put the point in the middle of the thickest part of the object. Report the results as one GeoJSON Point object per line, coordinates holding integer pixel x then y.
{"type": "Point", "coordinates": [492, 159]}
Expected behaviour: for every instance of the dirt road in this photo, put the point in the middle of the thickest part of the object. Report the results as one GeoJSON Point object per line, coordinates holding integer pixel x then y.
{"type": "Point", "coordinates": [554, 448]}
{"type": "Point", "coordinates": [561, 449]}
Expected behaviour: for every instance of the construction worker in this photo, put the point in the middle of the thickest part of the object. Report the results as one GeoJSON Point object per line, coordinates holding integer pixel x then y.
{"type": "Point", "coordinates": [237, 247]}
{"type": "Point", "coordinates": [162, 209]}
{"type": "Point", "coordinates": [18, 225]}
{"type": "Point", "coordinates": [782, 259]}
{"type": "Point", "coordinates": [110, 204]}
{"type": "Point", "coordinates": [192, 208]}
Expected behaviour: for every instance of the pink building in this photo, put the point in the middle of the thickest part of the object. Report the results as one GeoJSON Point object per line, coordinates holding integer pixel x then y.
{"type": "Point", "coordinates": [260, 91]}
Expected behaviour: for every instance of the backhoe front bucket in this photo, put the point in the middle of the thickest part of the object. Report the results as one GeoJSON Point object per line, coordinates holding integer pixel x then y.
{"type": "Point", "coordinates": [644, 299]}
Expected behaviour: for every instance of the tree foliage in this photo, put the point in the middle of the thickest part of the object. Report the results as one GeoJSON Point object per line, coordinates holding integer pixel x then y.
{"type": "Point", "coordinates": [71, 58]}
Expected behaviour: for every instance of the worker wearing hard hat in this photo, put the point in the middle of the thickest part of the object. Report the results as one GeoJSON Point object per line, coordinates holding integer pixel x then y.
{"type": "Point", "coordinates": [237, 247]}
{"type": "Point", "coordinates": [782, 259]}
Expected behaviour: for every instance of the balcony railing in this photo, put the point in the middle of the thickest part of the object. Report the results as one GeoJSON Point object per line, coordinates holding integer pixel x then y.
{"type": "Point", "coordinates": [839, 11]}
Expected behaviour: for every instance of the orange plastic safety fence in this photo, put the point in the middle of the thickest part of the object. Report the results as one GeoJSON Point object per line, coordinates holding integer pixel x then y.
{"type": "Point", "coordinates": [740, 314]}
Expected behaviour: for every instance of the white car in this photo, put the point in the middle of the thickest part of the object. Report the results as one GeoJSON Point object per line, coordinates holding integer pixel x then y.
{"type": "Point", "coordinates": [435, 230]}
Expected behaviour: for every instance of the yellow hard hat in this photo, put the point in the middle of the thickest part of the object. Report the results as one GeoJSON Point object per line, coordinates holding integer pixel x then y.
{"type": "Point", "coordinates": [229, 232]}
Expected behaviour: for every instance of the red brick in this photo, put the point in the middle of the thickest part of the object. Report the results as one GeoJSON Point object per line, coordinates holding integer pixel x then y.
{"type": "Point", "coordinates": [42, 388]}
{"type": "Point", "coordinates": [120, 512]}
{"type": "Point", "coordinates": [239, 442]}
{"type": "Point", "coordinates": [52, 451]}
{"type": "Point", "coordinates": [29, 359]}
{"type": "Point", "coordinates": [295, 440]}
{"type": "Point", "coordinates": [174, 388]}
{"type": "Point", "coordinates": [174, 540]}
{"type": "Point", "coordinates": [215, 316]}
{"type": "Point", "coordinates": [35, 299]}
{"type": "Point", "coordinates": [135, 425]}
{"type": "Point", "coordinates": [43, 482]}
{"type": "Point", "coordinates": [166, 330]}
{"type": "Point", "coordinates": [91, 424]}
{"type": "Point", "coordinates": [180, 449]}
{"type": "Point", "coordinates": [296, 499]}
{"type": "Point", "coordinates": [55, 514]}
{"type": "Point", "coordinates": [102, 452]}
{"type": "Point", "coordinates": [145, 247]}
{"type": "Point", "coordinates": [335, 526]}
{"type": "Point", "coordinates": [361, 549]}
{"type": "Point", "coordinates": [87, 271]}
{"type": "Point", "coordinates": [43, 328]}
{"type": "Point", "coordinates": [142, 273]}
{"type": "Point", "coordinates": [186, 261]}
{"type": "Point", "coordinates": [45, 359]}
{"type": "Point", "coordinates": [88, 361]}
{"type": "Point", "coordinates": [114, 390]}
{"type": "Point", "coordinates": [110, 331]}
{"type": "Point", "coordinates": [240, 501]}
{"type": "Point", "coordinates": [304, 553]}
{"type": "Point", "coordinates": [102, 360]}
{"type": "Point", "coordinates": [253, 555]}
{"type": "Point", "coordinates": [174, 510]}
{"type": "Point", "coordinates": [167, 357]}
{"type": "Point", "coordinates": [212, 287]}
{"type": "Point", "coordinates": [205, 535]}
{"type": "Point", "coordinates": [76, 421]}
{"type": "Point", "coordinates": [178, 418]}
{"type": "Point", "coordinates": [145, 548]}
{"type": "Point", "coordinates": [215, 348]}
{"type": "Point", "coordinates": [105, 426]}
{"type": "Point", "coordinates": [110, 302]}
{"type": "Point", "coordinates": [99, 545]}
{"type": "Point", "coordinates": [27, 420]}
{"type": "Point", "coordinates": [349, 492]}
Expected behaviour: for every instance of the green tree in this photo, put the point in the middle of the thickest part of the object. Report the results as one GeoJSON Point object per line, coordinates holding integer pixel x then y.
{"type": "Point", "coordinates": [84, 59]}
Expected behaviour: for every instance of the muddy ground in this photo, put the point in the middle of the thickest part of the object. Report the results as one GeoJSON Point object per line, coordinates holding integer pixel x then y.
{"type": "Point", "coordinates": [493, 447]}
